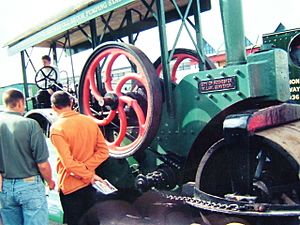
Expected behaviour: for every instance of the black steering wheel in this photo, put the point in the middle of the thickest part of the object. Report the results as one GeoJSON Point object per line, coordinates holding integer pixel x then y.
{"type": "Point", "coordinates": [45, 77]}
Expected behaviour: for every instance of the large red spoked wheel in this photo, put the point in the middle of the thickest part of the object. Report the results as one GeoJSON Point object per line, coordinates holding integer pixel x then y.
{"type": "Point", "coordinates": [182, 60]}
{"type": "Point", "coordinates": [126, 101]}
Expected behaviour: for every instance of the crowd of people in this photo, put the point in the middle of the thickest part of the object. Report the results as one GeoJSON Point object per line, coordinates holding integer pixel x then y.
{"type": "Point", "coordinates": [24, 165]}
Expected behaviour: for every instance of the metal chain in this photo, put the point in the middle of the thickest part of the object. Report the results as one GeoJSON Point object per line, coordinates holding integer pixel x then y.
{"type": "Point", "coordinates": [232, 208]}
{"type": "Point", "coordinates": [199, 203]}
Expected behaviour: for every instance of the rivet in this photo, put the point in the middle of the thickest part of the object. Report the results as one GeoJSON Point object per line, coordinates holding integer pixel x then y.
{"type": "Point", "coordinates": [238, 93]}
{"type": "Point", "coordinates": [210, 96]}
{"type": "Point", "coordinates": [224, 94]}
{"type": "Point", "coordinates": [223, 74]}
{"type": "Point", "coordinates": [197, 97]}
{"type": "Point", "coordinates": [237, 71]}
{"type": "Point", "coordinates": [208, 76]}
{"type": "Point", "coordinates": [195, 78]}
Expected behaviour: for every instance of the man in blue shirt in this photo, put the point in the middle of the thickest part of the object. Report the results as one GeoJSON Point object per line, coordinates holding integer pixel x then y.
{"type": "Point", "coordinates": [23, 164]}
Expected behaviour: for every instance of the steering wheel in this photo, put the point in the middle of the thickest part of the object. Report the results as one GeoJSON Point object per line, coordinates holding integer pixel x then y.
{"type": "Point", "coordinates": [45, 77]}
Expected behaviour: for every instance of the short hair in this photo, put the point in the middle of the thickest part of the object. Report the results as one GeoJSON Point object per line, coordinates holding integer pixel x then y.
{"type": "Point", "coordinates": [61, 99]}
{"type": "Point", "coordinates": [11, 97]}
{"type": "Point", "coordinates": [46, 57]}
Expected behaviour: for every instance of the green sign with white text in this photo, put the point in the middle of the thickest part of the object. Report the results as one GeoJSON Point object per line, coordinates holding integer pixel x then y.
{"type": "Point", "coordinates": [65, 24]}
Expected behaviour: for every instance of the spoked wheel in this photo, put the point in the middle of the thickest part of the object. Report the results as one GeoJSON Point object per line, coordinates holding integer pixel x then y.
{"type": "Point", "coordinates": [46, 77]}
{"type": "Point", "coordinates": [274, 181]}
{"type": "Point", "coordinates": [182, 58]}
{"type": "Point", "coordinates": [119, 88]}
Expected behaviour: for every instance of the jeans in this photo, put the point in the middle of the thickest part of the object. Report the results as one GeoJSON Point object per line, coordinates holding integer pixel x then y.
{"type": "Point", "coordinates": [23, 202]}
{"type": "Point", "coordinates": [77, 203]}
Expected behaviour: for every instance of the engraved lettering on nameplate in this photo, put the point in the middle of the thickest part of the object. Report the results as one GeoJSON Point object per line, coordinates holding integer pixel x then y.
{"type": "Point", "coordinates": [222, 84]}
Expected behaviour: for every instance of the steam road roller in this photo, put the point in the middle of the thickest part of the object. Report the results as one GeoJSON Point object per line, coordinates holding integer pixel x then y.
{"type": "Point", "coordinates": [228, 130]}
{"type": "Point", "coordinates": [222, 140]}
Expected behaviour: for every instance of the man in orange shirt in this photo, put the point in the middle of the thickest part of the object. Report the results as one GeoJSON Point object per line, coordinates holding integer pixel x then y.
{"type": "Point", "coordinates": [81, 149]}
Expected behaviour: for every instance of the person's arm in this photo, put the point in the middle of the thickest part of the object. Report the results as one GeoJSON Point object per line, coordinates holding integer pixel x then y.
{"type": "Point", "coordinates": [72, 166]}
{"type": "Point", "coordinates": [97, 178]}
{"type": "Point", "coordinates": [40, 154]}
{"type": "Point", "coordinates": [45, 170]}
{"type": "Point", "coordinates": [100, 155]}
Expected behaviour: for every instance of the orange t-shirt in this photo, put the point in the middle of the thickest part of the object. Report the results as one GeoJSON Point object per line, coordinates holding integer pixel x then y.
{"type": "Point", "coordinates": [81, 149]}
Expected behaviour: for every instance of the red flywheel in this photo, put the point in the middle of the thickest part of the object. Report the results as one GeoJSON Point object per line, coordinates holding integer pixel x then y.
{"type": "Point", "coordinates": [182, 63]}
{"type": "Point", "coordinates": [120, 90]}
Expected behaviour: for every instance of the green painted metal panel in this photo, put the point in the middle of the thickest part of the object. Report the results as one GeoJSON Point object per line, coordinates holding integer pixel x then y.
{"type": "Point", "coordinates": [233, 28]}
{"type": "Point", "coordinates": [283, 40]}
{"type": "Point", "coordinates": [55, 210]}
{"type": "Point", "coordinates": [264, 77]}
{"type": "Point", "coordinates": [69, 22]}
{"type": "Point", "coordinates": [164, 55]}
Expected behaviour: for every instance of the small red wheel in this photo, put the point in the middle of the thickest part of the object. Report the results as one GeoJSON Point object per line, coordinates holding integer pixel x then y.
{"type": "Point", "coordinates": [181, 56]}
{"type": "Point", "coordinates": [127, 102]}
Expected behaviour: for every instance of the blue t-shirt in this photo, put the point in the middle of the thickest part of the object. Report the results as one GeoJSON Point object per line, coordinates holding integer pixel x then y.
{"type": "Point", "coordinates": [22, 146]}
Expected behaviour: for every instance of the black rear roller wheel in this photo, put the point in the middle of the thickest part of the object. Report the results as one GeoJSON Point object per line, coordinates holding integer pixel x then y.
{"type": "Point", "coordinates": [274, 174]}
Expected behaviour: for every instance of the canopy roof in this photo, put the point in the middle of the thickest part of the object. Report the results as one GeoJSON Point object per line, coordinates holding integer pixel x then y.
{"type": "Point", "coordinates": [111, 18]}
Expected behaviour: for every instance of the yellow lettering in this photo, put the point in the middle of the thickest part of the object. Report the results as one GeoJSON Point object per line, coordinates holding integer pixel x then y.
{"type": "Point", "coordinates": [295, 81]}
{"type": "Point", "coordinates": [294, 89]}
{"type": "Point", "coordinates": [295, 97]}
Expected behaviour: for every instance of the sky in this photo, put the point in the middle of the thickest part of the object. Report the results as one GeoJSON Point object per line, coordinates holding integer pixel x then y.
{"type": "Point", "coordinates": [260, 17]}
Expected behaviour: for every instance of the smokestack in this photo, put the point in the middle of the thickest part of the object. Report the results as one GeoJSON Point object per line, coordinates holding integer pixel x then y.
{"type": "Point", "coordinates": [233, 28]}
